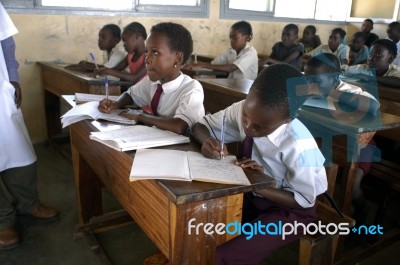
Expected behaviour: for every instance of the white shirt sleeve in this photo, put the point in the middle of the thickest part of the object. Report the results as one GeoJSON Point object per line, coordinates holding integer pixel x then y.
{"type": "Point", "coordinates": [117, 55]}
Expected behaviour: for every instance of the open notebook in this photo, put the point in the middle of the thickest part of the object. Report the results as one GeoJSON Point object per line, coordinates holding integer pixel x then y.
{"type": "Point", "coordinates": [187, 166]}
{"type": "Point", "coordinates": [90, 110]}
{"type": "Point", "coordinates": [136, 137]}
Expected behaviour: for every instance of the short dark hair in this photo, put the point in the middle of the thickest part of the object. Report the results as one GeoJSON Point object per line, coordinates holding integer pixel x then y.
{"type": "Point", "coordinates": [114, 29]}
{"type": "Point", "coordinates": [180, 39]}
{"type": "Point", "coordinates": [359, 35]}
{"type": "Point", "coordinates": [329, 62]}
{"type": "Point", "coordinates": [137, 28]}
{"type": "Point", "coordinates": [244, 27]}
{"type": "Point", "coordinates": [341, 32]}
{"type": "Point", "coordinates": [292, 27]}
{"type": "Point", "coordinates": [395, 25]}
{"type": "Point", "coordinates": [271, 85]}
{"type": "Point", "coordinates": [311, 28]}
{"type": "Point", "coordinates": [369, 21]}
{"type": "Point", "coordinates": [388, 44]}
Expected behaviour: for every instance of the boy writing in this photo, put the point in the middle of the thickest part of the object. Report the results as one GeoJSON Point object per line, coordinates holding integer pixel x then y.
{"type": "Point", "coordinates": [279, 147]}
{"type": "Point", "coordinates": [287, 50]}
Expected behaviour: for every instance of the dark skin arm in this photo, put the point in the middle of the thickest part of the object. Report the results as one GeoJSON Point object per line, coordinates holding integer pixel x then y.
{"type": "Point", "coordinates": [212, 148]}
{"type": "Point", "coordinates": [389, 81]}
{"type": "Point", "coordinates": [288, 59]}
{"type": "Point", "coordinates": [175, 125]}
{"type": "Point", "coordinates": [18, 94]}
{"type": "Point", "coordinates": [119, 72]}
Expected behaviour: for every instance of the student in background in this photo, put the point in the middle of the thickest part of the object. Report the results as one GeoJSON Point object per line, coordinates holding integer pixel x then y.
{"type": "Point", "coordinates": [275, 144]}
{"type": "Point", "coordinates": [241, 60]}
{"type": "Point", "coordinates": [170, 100]}
{"type": "Point", "coordinates": [393, 33]}
{"type": "Point", "coordinates": [323, 73]}
{"type": "Point", "coordinates": [287, 50]}
{"type": "Point", "coordinates": [335, 45]}
{"type": "Point", "coordinates": [358, 53]}
{"type": "Point", "coordinates": [310, 40]}
{"type": "Point", "coordinates": [366, 28]}
{"type": "Point", "coordinates": [379, 64]}
{"type": "Point", "coordinates": [133, 38]}
{"type": "Point", "coordinates": [113, 52]}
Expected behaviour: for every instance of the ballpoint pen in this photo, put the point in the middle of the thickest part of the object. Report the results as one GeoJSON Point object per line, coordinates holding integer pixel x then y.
{"type": "Point", "coordinates": [94, 61]}
{"type": "Point", "coordinates": [222, 137]}
{"type": "Point", "coordinates": [106, 84]}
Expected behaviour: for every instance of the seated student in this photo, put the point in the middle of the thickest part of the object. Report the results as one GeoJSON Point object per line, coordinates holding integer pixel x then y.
{"type": "Point", "coordinates": [113, 51]}
{"type": "Point", "coordinates": [393, 33]}
{"type": "Point", "coordinates": [277, 145]}
{"type": "Point", "coordinates": [379, 64]}
{"type": "Point", "coordinates": [358, 53]}
{"type": "Point", "coordinates": [180, 97]}
{"type": "Point", "coordinates": [310, 40]}
{"type": "Point", "coordinates": [241, 60]}
{"type": "Point", "coordinates": [335, 45]}
{"type": "Point", "coordinates": [287, 50]}
{"type": "Point", "coordinates": [366, 28]}
{"type": "Point", "coordinates": [133, 37]}
{"type": "Point", "coordinates": [323, 71]}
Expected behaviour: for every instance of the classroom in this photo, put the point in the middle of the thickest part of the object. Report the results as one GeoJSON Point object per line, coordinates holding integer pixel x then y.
{"type": "Point", "coordinates": [55, 33]}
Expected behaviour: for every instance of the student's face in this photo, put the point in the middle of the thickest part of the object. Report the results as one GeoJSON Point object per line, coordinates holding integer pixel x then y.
{"type": "Point", "coordinates": [238, 40]}
{"type": "Point", "coordinates": [130, 41]}
{"type": "Point", "coordinates": [288, 37]}
{"type": "Point", "coordinates": [259, 120]}
{"type": "Point", "coordinates": [106, 40]}
{"type": "Point", "coordinates": [357, 44]}
{"type": "Point", "coordinates": [323, 82]}
{"type": "Point", "coordinates": [379, 57]}
{"type": "Point", "coordinates": [393, 34]}
{"type": "Point", "coordinates": [161, 62]}
{"type": "Point", "coordinates": [307, 35]}
{"type": "Point", "coordinates": [366, 27]}
{"type": "Point", "coordinates": [334, 41]}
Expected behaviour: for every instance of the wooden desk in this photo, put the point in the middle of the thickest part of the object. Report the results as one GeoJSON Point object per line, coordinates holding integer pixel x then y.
{"type": "Point", "coordinates": [161, 208]}
{"type": "Point", "coordinates": [199, 72]}
{"type": "Point", "coordinates": [57, 81]}
{"type": "Point", "coordinates": [220, 93]}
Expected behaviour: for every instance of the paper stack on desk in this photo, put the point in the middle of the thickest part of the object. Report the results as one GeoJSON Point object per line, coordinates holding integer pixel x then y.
{"type": "Point", "coordinates": [137, 137]}
{"type": "Point", "coordinates": [84, 97]}
{"type": "Point", "coordinates": [90, 111]}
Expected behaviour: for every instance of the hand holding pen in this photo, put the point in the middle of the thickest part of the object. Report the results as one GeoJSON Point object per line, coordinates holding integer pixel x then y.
{"type": "Point", "coordinates": [212, 147]}
{"type": "Point", "coordinates": [94, 61]}
{"type": "Point", "coordinates": [222, 138]}
{"type": "Point", "coordinates": [106, 85]}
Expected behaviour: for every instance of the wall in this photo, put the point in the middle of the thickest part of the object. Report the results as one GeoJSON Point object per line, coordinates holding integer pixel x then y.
{"type": "Point", "coordinates": [70, 38]}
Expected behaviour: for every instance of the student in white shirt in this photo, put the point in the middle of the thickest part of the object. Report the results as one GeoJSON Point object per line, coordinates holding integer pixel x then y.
{"type": "Point", "coordinates": [241, 60]}
{"type": "Point", "coordinates": [282, 148]}
{"type": "Point", "coordinates": [393, 33]}
{"type": "Point", "coordinates": [181, 101]}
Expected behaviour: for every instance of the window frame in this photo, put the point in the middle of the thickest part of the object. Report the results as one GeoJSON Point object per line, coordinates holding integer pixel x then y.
{"type": "Point", "coordinates": [35, 7]}
{"type": "Point", "coordinates": [375, 19]}
{"type": "Point", "coordinates": [227, 13]}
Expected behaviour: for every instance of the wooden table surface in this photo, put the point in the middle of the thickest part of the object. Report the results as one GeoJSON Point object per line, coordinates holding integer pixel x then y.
{"type": "Point", "coordinates": [161, 208]}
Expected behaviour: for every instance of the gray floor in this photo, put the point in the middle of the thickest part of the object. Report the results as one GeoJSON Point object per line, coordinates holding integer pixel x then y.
{"type": "Point", "coordinates": [53, 244]}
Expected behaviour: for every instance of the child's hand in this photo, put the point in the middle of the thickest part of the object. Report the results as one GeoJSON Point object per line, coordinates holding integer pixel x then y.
{"type": "Point", "coordinates": [251, 164]}
{"type": "Point", "coordinates": [128, 115]}
{"type": "Point", "coordinates": [212, 148]}
{"type": "Point", "coordinates": [106, 106]}
{"type": "Point", "coordinates": [102, 71]}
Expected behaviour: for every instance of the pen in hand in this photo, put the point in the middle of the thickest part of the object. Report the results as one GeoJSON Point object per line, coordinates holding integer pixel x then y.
{"type": "Point", "coordinates": [222, 139]}
{"type": "Point", "coordinates": [94, 61]}
{"type": "Point", "coordinates": [106, 84]}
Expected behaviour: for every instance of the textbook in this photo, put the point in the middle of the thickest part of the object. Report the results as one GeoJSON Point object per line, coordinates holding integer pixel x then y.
{"type": "Point", "coordinates": [137, 137]}
{"type": "Point", "coordinates": [169, 164]}
{"type": "Point", "coordinates": [90, 110]}
{"type": "Point", "coordinates": [83, 97]}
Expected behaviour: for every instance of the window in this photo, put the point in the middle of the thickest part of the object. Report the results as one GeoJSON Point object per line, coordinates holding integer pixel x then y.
{"type": "Point", "coordinates": [252, 9]}
{"type": "Point", "coordinates": [386, 12]}
{"type": "Point", "coordinates": [177, 8]}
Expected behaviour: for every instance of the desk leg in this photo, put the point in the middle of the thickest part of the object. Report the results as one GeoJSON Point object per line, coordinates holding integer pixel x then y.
{"type": "Point", "coordinates": [200, 248]}
{"type": "Point", "coordinates": [52, 110]}
{"type": "Point", "coordinates": [88, 188]}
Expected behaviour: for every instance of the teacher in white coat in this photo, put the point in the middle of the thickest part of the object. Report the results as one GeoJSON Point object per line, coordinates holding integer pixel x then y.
{"type": "Point", "coordinates": [17, 157]}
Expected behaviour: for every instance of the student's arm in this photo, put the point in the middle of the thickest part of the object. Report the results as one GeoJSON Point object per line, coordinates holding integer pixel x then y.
{"type": "Point", "coordinates": [219, 67]}
{"type": "Point", "coordinates": [175, 125]}
{"type": "Point", "coordinates": [281, 197]}
{"type": "Point", "coordinates": [108, 106]}
{"type": "Point", "coordinates": [356, 101]}
{"type": "Point", "coordinates": [124, 75]}
{"type": "Point", "coordinates": [389, 81]}
{"type": "Point", "coordinates": [210, 147]}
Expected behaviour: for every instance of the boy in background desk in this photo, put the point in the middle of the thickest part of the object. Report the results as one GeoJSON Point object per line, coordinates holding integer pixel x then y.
{"type": "Point", "coordinates": [276, 145]}
{"type": "Point", "coordinates": [171, 100]}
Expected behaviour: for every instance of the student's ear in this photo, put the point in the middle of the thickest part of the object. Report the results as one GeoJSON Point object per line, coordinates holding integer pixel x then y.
{"type": "Point", "coordinates": [179, 58]}
{"type": "Point", "coordinates": [391, 59]}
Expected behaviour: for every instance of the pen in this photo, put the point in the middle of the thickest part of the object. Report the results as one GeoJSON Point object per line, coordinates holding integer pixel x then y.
{"type": "Point", "coordinates": [195, 58]}
{"type": "Point", "coordinates": [94, 61]}
{"type": "Point", "coordinates": [106, 83]}
{"type": "Point", "coordinates": [222, 136]}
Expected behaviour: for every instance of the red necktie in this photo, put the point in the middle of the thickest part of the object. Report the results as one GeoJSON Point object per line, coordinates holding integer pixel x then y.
{"type": "Point", "coordinates": [156, 99]}
{"type": "Point", "coordinates": [245, 148]}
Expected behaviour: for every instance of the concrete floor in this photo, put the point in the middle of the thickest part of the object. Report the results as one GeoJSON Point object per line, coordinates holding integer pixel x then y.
{"type": "Point", "coordinates": [53, 244]}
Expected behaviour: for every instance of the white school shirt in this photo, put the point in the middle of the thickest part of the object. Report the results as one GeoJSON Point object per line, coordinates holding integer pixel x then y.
{"type": "Point", "coordinates": [396, 60]}
{"type": "Point", "coordinates": [342, 52]}
{"type": "Point", "coordinates": [15, 144]}
{"type": "Point", "coordinates": [393, 70]}
{"type": "Point", "coordinates": [289, 154]}
{"type": "Point", "coordinates": [246, 61]}
{"type": "Point", "coordinates": [117, 55]}
{"type": "Point", "coordinates": [181, 98]}
{"type": "Point", "coordinates": [350, 88]}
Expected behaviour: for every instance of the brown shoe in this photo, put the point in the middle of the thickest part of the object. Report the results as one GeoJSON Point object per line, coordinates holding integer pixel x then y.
{"type": "Point", "coordinates": [8, 238]}
{"type": "Point", "coordinates": [44, 213]}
